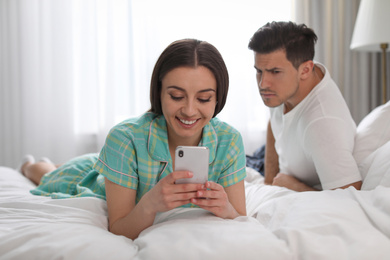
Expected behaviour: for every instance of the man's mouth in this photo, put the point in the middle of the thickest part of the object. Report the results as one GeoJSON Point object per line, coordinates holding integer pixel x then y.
{"type": "Point", "coordinates": [267, 94]}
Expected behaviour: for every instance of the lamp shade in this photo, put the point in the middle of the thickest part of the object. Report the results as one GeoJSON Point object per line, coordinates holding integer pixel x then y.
{"type": "Point", "coordinates": [372, 25]}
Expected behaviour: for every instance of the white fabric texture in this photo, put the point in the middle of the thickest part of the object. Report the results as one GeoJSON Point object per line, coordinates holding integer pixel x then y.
{"type": "Point", "coordinates": [372, 132]}
{"type": "Point", "coordinates": [281, 224]}
{"type": "Point", "coordinates": [315, 140]}
{"type": "Point", "coordinates": [375, 169]}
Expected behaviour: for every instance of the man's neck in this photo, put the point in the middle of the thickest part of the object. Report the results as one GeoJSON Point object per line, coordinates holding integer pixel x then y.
{"type": "Point", "coordinates": [306, 86]}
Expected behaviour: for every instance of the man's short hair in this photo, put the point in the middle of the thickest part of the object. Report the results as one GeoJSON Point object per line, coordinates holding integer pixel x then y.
{"type": "Point", "coordinates": [296, 39]}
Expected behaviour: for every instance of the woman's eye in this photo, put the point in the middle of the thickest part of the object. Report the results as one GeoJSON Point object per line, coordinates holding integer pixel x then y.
{"type": "Point", "coordinates": [202, 100]}
{"type": "Point", "coordinates": [176, 98]}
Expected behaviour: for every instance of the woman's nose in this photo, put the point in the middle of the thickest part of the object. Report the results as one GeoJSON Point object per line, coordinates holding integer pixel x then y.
{"type": "Point", "coordinates": [189, 108]}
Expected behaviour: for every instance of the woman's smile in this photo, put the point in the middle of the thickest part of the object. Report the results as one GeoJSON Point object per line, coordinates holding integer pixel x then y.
{"type": "Point", "coordinates": [187, 123]}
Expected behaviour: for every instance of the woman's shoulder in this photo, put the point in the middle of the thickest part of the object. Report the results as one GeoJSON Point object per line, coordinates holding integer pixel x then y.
{"type": "Point", "coordinates": [134, 126]}
{"type": "Point", "coordinates": [229, 146]}
{"type": "Point", "coordinates": [224, 129]}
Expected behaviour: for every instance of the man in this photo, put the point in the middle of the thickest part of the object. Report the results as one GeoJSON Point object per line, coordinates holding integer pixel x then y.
{"type": "Point", "coordinates": [310, 136]}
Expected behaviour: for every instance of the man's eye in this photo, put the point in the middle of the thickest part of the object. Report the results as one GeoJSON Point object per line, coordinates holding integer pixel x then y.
{"type": "Point", "coordinates": [176, 98]}
{"type": "Point", "coordinates": [275, 71]}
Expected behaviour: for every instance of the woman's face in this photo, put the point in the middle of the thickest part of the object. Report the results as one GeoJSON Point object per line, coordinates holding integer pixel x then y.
{"type": "Point", "coordinates": [188, 100]}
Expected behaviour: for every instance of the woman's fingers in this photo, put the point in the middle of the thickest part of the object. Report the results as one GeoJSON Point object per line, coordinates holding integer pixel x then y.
{"type": "Point", "coordinates": [215, 200]}
{"type": "Point", "coordinates": [212, 190]}
{"type": "Point", "coordinates": [170, 195]}
{"type": "Point", "coordinates": [178, 188]}
{"type": "Point", "coordinates": [176, 175]}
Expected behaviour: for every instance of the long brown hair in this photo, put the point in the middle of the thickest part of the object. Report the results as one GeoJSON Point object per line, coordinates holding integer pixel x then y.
{"type": "Point", "coordinates": [189, 53]}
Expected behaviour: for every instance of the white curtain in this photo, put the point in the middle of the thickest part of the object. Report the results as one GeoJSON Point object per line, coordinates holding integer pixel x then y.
{"type": "Point", "coordinates": [65, 76]}
{"type": "Point", "coordinates": [36, 79]}
{"type": "Point", "coordinates": [357, 74]}
{"type": "Point", "coordinates": [71, 69]}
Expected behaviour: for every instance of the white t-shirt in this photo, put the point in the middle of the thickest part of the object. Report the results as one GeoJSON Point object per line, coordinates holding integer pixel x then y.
{"type": "Point", "coordinates": [315, 140]}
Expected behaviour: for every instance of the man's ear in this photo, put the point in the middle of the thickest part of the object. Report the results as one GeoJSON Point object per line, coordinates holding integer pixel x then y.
{"type": "Point", "coordinates": [305, 69]}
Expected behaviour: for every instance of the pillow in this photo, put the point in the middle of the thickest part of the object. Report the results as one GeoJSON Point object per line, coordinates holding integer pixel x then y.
{"type": "Point", "coordinates": [372, 132]}
{"type": "Point", "coordinates": [375, 169]}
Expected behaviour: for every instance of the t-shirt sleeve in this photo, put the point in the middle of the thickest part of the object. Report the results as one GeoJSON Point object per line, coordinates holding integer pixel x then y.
{"type": "Point", "coordinates": [234, 169]}
{"type": "Point", "coordinates": [117, 159]}
{"type": "Point", "coordinates": [329, 142]}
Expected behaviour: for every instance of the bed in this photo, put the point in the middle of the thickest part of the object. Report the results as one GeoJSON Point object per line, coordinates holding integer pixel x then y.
{"type": "Point", "coordinates": [281, 224]}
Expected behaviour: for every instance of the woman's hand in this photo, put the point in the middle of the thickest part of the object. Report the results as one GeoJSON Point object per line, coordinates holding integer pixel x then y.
{"type": "Point", "coordinates": [167, 195]}
{"type": "Point", "coordinates": [130, 219]}
{"type": "Point", "coordinates": [215, 199]}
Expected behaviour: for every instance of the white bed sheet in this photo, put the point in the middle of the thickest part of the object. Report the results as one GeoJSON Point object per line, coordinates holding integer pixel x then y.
{"type": "Point", "coordinates": [281, 224]}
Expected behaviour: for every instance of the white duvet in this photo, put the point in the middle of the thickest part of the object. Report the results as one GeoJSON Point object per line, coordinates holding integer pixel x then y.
{"type": "Point", "coordinates": [281, 224]}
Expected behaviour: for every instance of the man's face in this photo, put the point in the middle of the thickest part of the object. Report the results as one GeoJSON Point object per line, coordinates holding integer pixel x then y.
{"type": "Point", "coordinates": [277, 79]}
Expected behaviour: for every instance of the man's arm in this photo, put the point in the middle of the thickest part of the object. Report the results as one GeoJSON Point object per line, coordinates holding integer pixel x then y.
{"type": "Point", "coordinates": [290, 182]}
{"type": "Point", "coordinates": [271, 160]}
{"type": "Point", "coordinates": [357, 185]}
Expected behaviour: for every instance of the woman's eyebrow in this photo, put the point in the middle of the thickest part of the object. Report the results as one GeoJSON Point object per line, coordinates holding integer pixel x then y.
{"type": "Point", "coordinates": [176, 87]}
{"type": "Point", "coordinates": [207, 90]}
{"type": "Point", "coordinates": [201, 91]}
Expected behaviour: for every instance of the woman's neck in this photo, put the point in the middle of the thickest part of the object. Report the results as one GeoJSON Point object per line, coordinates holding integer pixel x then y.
{"type": "Point", "coordinates": [174, 141]}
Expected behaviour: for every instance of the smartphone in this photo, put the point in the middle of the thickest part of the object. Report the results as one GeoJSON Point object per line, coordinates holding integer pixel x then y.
{"type": "Point", "coordinates": [194, 159]}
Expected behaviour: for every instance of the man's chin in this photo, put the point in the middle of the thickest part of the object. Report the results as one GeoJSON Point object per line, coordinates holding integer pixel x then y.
{"type": "Point", "coordinates": [270, 104]}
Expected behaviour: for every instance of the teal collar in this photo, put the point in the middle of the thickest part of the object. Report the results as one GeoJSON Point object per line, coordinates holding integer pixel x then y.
{"type": "Point", "coordinates": [158, 140]}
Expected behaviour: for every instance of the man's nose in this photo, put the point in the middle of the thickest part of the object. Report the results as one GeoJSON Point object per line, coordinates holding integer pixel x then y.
{"type": "Point", "coordinates": [263, 81]}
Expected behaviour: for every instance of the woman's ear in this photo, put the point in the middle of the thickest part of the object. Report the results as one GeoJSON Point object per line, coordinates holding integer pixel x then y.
{"type": "Point", "coordinates": [305, 69]}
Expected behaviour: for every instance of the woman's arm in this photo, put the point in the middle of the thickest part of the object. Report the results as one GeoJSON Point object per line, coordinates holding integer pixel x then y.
{"type": "Point", "coordinates": [130, 219]}
{"type": "Point", "coordinates": [236, 195]}
{"type": "Point", "coordinates": [124, 217]}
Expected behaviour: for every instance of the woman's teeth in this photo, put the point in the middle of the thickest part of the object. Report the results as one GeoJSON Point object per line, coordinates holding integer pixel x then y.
{"type": "Point", "coordinates": [187, 122]}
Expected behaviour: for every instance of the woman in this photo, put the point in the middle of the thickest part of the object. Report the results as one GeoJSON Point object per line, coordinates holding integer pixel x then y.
{"type": "Point", "coordinates": [134, 170]}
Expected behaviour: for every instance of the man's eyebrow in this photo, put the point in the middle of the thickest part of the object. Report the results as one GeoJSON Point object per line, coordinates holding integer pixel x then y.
{"type": "Point", "coordinates": [272, 69]}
